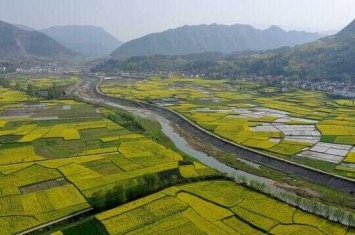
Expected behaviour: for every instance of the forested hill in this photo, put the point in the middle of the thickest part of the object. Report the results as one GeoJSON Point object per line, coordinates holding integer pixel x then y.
{"type": "Point", "coordinates": [212, 38]}
{"type": "Point", "coordinates": [88, 40]}
{"type": "Point", "coordinates": [327, 58]}
{"type": "Point", "coordinates": [18, 43]}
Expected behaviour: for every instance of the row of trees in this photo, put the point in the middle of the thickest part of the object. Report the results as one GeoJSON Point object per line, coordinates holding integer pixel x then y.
{"type": "Point", "coordinates": [9, 67]}
{"type": "Point", "coordinates": [51, 92]}
{"type": "Point", "coordinates": [139, 187]}
{"type": "Point", "coordinates": [136, 188]}
{"type": "Point", "coordinates": [4, 83]}
{"type": "Point", "coordinates": [127, 120]}
{"type": "Point", "coordinates": [300, 63]}
{"type": "Point", "coordinates": [310, 205]}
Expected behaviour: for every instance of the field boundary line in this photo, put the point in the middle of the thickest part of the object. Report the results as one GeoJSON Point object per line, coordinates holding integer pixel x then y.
{"type": "Point", "coordinates": [307, 172]}
{"type": "Point", "coordinates": [54, 222]}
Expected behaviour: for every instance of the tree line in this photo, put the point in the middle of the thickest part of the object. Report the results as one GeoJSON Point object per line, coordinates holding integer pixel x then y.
{"type": "Point", "coordinates": [134, 189]}
{"type": "Point", "coordinates": [298, 63]}
{"type": "Point", "coordinates": [50, 92]}
{"type": "Point", "coordinates": [127, 121]}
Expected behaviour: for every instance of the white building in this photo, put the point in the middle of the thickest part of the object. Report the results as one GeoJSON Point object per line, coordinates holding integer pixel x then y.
{"type": "Point", "coordinates": [349, 93]}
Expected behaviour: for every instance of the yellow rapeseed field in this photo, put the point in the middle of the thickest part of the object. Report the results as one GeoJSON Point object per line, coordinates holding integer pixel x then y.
{"type": "Point", "coordinates": [214, 207]}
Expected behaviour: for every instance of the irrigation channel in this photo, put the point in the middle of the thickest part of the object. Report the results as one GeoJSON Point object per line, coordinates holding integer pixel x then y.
{"type": "Point", "coordinates": [84, 90]}
{"type": "Point", "coordinates": [314, 175]}
{"type": "Point", "coordinates": [88, 93]}
{"type": "Point", "coordinates": [182, 144]}
{"type": "Point", "coordinates": [85, 93]}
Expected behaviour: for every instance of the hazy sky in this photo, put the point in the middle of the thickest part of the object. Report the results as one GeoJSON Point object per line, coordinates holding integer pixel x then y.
{"type": "Point", "coordinates": [128, 19]}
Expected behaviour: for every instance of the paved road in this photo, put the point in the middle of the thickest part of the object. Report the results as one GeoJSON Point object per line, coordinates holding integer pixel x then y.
{"type": "Point", "coordinates": [92, 93]}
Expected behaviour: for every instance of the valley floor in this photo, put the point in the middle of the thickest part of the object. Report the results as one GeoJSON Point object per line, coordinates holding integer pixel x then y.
{"type": "Point", "coordinates": [60, 158]}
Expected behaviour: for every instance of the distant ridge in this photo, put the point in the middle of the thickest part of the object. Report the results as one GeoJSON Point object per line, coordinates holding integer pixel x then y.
{"type": "Point", "coordinates": [24, 27]}
{"type": "Point", "coordinates": [88, 40]}
{"type": "Point", "coordinates": [330, 58]}
{"type": "Point", "coordinates": [348, 30]}
{"type": "Point", "coordinates": [18, 43]}
{"type": "Point", "coordinates": [212, 38]}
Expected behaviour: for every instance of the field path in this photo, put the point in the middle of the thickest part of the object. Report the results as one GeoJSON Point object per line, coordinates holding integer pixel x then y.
{"type": "Point", "coordinates": [91, 92]}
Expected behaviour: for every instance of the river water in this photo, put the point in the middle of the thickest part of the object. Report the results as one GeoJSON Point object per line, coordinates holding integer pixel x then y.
{"type": "Point", "coordinates": [182, 144]}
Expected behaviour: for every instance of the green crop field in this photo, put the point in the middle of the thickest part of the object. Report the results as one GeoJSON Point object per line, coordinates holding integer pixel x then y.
{"type": "Point", "coordinates": [212, 207]}
{"type": "Point", "coordinates": [294, 125]}
{"type": "Point", "coordinates": [63, 157]}
{"type": "Point", "coordinates": [205, 129]}
{"type": "Point", "coordinates": [41, 81]}
{"type": "Point", "coordinates": [55, 156]}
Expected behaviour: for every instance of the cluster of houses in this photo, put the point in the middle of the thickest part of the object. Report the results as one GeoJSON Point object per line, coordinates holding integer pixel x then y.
{"type": "Point", "coordinates": [5, 67]}
{"type": "Point", "coordinates": [44, 70]}
{"type": "Point", "coordinates": [36, 70]}
{"type": "Point", "coordinates": [347, 92]}
{"type": "Point", "coordinates": [335, 88]}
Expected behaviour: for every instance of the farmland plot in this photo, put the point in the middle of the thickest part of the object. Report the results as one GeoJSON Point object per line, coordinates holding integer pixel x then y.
{"type": "Point", "coordinates": [289, 125]}
{"type": "Point", "coordinates": [51, 167]}
{"type": "Point", "coordinates": [213, 207]}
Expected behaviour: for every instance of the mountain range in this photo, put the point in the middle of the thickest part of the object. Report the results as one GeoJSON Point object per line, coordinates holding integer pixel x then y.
{"type": "Point", "coordinates": [212, 38]}
{"type": "Point", "coordinates": [204, 49]}
{"type": "Point", "coordinates": [330, 58]}
{"type": "Point", "coordinates": [19, 43]}
{"type": "Point", "coordinates": [24, 27]}
{"type": "Point", "coordinates": [91, 41]}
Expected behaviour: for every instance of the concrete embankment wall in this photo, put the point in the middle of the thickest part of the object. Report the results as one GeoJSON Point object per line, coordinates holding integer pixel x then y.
{"type": "Point", "coordinates": [311, 174]}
